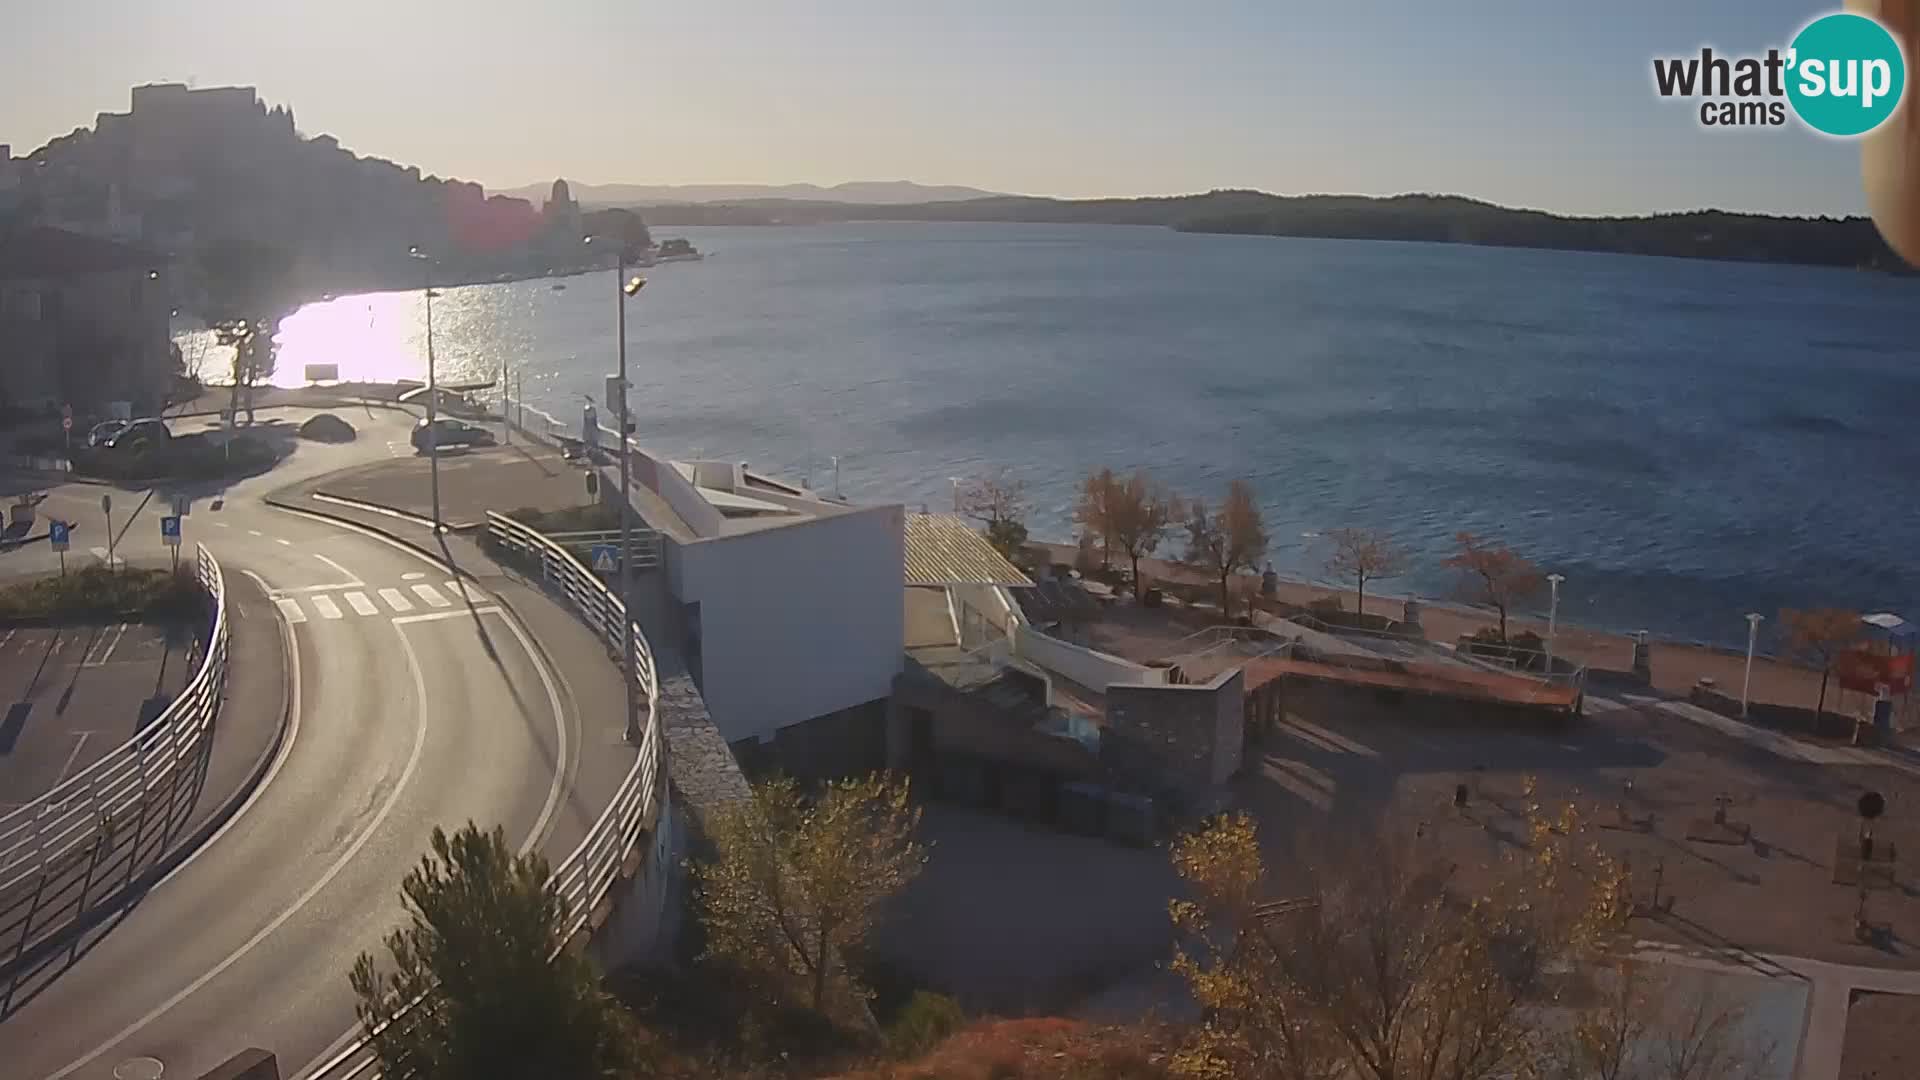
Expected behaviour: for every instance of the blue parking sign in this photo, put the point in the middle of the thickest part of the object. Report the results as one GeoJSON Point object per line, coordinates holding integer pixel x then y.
{"type": "Point", "coordinates": [58, 534]}
{"type": "Point", "coordinates": [170, 530]}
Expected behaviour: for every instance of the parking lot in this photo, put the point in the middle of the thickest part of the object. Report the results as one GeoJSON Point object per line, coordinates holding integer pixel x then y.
{"type": "Point", "coordinates": [72, 694]}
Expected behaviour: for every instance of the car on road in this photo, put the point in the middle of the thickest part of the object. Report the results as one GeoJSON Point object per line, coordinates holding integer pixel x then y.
{"type": "Point", "coordinates": [446, 432]}
{"type": "Point", "coordinates": [104, 431]}
{"type": "Point", "coordinates": [139, 436]}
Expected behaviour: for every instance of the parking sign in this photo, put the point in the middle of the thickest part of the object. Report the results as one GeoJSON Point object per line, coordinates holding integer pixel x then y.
{"type": "Point", "coordinates": [170, 530]}
{"type": "Point", "coordinates": [58, 535]}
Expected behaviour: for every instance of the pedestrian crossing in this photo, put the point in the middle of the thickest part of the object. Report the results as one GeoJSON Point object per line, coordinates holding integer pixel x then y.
{"type": "Point", "coordinates": [345, 602]}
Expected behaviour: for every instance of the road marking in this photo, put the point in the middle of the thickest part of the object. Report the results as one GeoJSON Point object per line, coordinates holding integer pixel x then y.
{"type": "Point", "coordinates": [436, 616]}
{"type": "Point", "coordinates": [432, 596]}
{"type": "Point", "coordinates": [9, 637]}
{"type": "Point", "coordinates": [352, 579]}
{"type": "Point", "coordinates": [561, 782]}
{"type": "Point", "coordinates": [395, 600]}
{"type": "Point", "coordinates": [414, 576]}
{"type": "Point", "coordinates": [324, 604]}
{"type": "Point", "coordinates": [79, 741]}
{"type": "Point", "coordinates": [255, 532]}
{"type": "Point", "coordinates": [105, 646]}
{"type": "Point", "coordinates": [291, 610]}
{"type": "Point", "coordinates": [283, 543]}
{"type": "Point", "coordinates": [220, 525]}
{"type": "Point", "coordinates": [346, 857]}
{"type": "Point", "coordinates": [360, 604]}
{"type": "Point", "coordinates": [101, 553]}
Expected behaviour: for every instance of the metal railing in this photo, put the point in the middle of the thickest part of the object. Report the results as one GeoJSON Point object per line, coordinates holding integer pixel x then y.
{"type": "Point", "coordinates": [94, 831]}
{"type": "Point", "coordinates": [646, 544]}
{"type": "Point", "coordinates": [584, 877]}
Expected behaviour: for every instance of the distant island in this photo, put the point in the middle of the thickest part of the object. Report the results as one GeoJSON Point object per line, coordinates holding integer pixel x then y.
{"type": "Point", "coordinates": [1449, 219]}
{"type": "Point", "coordinates": [864, 192]}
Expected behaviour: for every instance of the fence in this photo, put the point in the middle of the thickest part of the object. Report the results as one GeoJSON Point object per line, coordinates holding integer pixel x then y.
{"type": "Point", "coordinates": [92, 833]}
{"type": "Point", "coordinates": [585, 876]}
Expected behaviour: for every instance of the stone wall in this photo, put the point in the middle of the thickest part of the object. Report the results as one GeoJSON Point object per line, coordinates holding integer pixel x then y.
{"type": "Point", "coordinates": [1182, 740]}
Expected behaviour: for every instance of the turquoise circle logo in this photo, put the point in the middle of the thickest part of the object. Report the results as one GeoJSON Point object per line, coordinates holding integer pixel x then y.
{"type": "Point", "coordinates": [1847, 74]}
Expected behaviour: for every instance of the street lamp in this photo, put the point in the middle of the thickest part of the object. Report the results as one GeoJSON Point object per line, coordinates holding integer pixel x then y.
{"type": "Point", "coordinates": [1754, 619]}
{"type": "Point", "coordinates": [625, 289]}
{"type": "Point", "coordinates": [1553, 615]}
{"type": "Point", "coordinates": [433, 431]}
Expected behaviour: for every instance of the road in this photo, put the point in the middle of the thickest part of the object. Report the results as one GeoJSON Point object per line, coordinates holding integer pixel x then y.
{"type": "Point", "coordinates": [419, 703]}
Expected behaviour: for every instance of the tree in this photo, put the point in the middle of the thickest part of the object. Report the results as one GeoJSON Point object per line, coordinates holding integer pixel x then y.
{"type": "Point", "coordinates": [249, 287]}
{"type": "Point", "coordinates": [1137, 515]}
{"type": "Point", "coordinates": [1228, 540]}
{"type": "Point", "coordinates": [1364, 555]}
{"type": "Point", "coordinates": [1091, 511]}
{"type": "Point", "coordinates": [1385, 964]}
{"type": "Point", "coordinates": [794, 882]}
{"type": "Point", "coordinates": [1493, 574]}
{"type": "Point", "coordinates": [481, 986]}
{"type": "Point", "coordinates": [1821, 634]}
{"type": "Point", "coordinates": [998, 501]}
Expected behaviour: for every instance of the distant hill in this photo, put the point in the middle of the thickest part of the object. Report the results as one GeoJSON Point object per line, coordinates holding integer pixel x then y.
{"type": "Point", "coordinates": [1451, 219]}
{"type": "Point", "coordinates": [867, 192]}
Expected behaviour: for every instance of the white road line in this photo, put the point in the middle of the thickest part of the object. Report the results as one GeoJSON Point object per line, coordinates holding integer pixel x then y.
{"type": "Point", "coordinates": [395, 600]}
{"type": "Point", "coordinates": [9, 637]}
{"type": "Point", "coordinates": [220, 525]}
{"type": "Point", "coordinates": [283, 543]}
{"type": "Point", "coordinates": [360, 604]}
{"type": "Point", "coordinates": [110, 645]}
{"type": "Point", "coordinates": [352, 579]}
{"type": "Point", "coordinates": [561, 780]}
{"type": "Point", "coordinates": [346, 857]}
{"type": "Point", "coordinates": [79, 741]}
{"type": "Point", "coordinates": [436, 616]}
{"type": "Point", "coordinates": [432, 596]}
{"type": "Point", "coordinates": [255, 532]}
{"type": "Point", "coordinates": [324, 604]}
{"type": "Point", "coordinates": [414, 576]}
{"type": "Point", "coordinates": [290, 610]}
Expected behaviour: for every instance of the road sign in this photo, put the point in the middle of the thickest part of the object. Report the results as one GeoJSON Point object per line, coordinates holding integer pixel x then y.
{"type": "Point", "coordinates": [58, 534]}
{"type": "Point", "coordinates": [66, 411]}
{"type": "Point", "coordinates": [182, 505]}
{"type": "Point", "coordinates": [66, 423]}
{"type": "Point", "coordinates": [106, 504]}
{"type": "Point", "coordinates": [170, 530]}
{"type": "Point", "coordinates": [605, 557]}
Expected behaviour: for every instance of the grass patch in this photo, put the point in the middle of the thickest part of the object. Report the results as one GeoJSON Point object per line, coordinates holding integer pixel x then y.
{"type": "Point", "coordinates": [571, 519]}
{"type": "Point", "coordinates": [97, 592]}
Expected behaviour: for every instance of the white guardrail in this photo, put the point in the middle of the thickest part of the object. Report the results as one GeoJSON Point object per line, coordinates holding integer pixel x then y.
{"type": "Point", "coordinates": [583, 878]}
{"type": "Point", "coordinates": [98, 828]}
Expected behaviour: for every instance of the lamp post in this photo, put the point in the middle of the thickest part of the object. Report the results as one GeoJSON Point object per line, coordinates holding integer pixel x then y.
{"type": "Point", "coordinates": [1754, 619]}
{"type": "Point", "coordinates": [433, 431]}
{"type": "Point", "coordinates": [1553, 615]}
{"type": "Point", "coordinates": [624, 290]}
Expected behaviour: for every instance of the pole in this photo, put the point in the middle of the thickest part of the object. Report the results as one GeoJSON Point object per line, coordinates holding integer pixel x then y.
{"type": "Point", "coordinates": [626, 500]}
{"type": "Point", "coordinates": [506, 399]}
{"type": "Point", "coordinates": [1746, 681]}
{"type": "Point", "coordinates": [1553, 616]}
{"type": "Point", "coordinates": [108, 510]}
{"type": "Point", "coordinates": [433, 393]}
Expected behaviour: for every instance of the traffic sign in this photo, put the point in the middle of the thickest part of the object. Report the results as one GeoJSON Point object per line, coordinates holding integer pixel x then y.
{"type": "Point", "coordinates": [66, 423]}
{"type": "Point", "coordinates": [106, 504]}
{"type": "Point", "coordinates": [182, 505]}
{"type": "Point", "coordinates": [58, 535]}
{"type": "Point", "coordinates": [606, 557]}
{"type": "Point", "coordinates": [170, 530]}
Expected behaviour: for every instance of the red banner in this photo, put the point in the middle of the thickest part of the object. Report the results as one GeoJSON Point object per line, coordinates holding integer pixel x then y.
{"type": "Point", "coordinates": [1867, 671]}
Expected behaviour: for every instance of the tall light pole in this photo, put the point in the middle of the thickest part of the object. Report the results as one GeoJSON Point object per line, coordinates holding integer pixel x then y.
{"type": "Point", "coordinates": [1754, 619]}
{"type": "Point", "coordinates": [433, 393]}
{"type": "Point", "coordinates": [1553, 615]}
{"type": "Point", "coordinates": [625, 289]}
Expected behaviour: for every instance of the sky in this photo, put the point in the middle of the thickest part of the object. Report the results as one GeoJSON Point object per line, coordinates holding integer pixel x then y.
{"type": "Point", "coordinates": [1520, 102]}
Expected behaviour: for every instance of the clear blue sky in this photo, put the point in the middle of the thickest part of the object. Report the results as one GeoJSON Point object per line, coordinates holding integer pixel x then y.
{"type": "Point", "coordinates": [1517, 101]}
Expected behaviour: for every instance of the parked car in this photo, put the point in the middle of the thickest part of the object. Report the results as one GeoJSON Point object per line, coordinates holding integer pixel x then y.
{"type": "Point", "coordinates": [449, 432]}
{"type": "Point", "coordinates": [104, 431]}
{"type": "Point", "coordinates": [139, 436]}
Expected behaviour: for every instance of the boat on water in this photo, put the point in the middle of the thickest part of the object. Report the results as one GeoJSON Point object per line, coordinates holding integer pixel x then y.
{"type": "Point", "coordinates": [559, 286]}
{"type": "Point", "coordinates": [676, 250]}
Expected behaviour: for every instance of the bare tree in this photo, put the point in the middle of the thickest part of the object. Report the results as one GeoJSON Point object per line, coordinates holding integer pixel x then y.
{"type": "Point", "coordinates": [1821, 634]}
{"type": "Point", "coordinates": [1138, 513]}
{"type": "Point", "coordinates": [1091, 511]}
{"type": "Point", "coordinates": [998, 501]}
{"type": "Point", "coordinates": [1493, 574]}
{"type": "Point", "coordinates": [1363, 555]}
{"type": "Point", "coordinates": [1228, 540]}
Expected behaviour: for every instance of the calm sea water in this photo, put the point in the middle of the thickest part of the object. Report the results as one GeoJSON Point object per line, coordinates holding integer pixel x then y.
{"type": "Point", "coordinates": [1685, 441]}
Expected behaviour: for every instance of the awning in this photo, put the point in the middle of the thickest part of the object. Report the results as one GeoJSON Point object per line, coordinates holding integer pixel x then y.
{"type": "Point", "coordinates": [943, 549]}
{"type": "Point", "coordinates": [1887, 626]}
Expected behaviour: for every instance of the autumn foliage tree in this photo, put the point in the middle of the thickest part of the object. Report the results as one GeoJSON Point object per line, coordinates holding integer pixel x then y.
{"type": "Point", "coordinates": [998, 501]}
{"type": "Point", "coordinates": [1821, 635]}
{"type": "Point", "coordinates": [1225, 541]}
{"type": "Point", "coordinates": [796, 881]}
{"type": "Point", "coordinates": [1091, 513]}
{"type": "Point", "coordinates": [1363, 555]}
{"type": "Point", "coordinates": [1494, 574]}
{"type": "Point", "coordinates": [1138, 512]}
{"type": "Point", "coordinates": [479, 985]}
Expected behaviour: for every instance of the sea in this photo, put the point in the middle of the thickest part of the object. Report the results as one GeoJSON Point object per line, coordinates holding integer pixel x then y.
{"type": "Point", "coordinates": [1684, 441]}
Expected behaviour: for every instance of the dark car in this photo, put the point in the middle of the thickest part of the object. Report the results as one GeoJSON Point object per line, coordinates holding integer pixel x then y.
{"type": "Point", "coordinates": [447, 432]}
{"type": "Point", "coordinates": [103, 432]}
{"type": "Point", "coordinates": [139, 436]}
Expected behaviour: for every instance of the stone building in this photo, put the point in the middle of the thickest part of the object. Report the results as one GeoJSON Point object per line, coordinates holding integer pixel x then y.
{"type": "Point", "coordinates": [83, 320]}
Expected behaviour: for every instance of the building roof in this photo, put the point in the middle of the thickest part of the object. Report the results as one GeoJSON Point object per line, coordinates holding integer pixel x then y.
{"type": "Point", "coordinates": [943, 549]}
{"type": "Point", "coordinates": [46, 252]}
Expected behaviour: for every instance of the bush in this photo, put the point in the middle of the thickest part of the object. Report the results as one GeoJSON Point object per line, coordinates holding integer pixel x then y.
{"type": "Point", "coordinates": [97, 592]}
{"type": "Point", "coordinates": [1326, 606]}
{"type": "Point", "coordinates": [1009, 538]}
{"type": "Point", "coordinates": [926, 1021]}
{"type": "Point", "coordinates": [327, 427]}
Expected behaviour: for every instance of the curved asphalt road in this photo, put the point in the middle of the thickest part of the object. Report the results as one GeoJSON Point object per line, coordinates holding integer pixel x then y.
{"type": "Point", "coordinates": [406, 720]}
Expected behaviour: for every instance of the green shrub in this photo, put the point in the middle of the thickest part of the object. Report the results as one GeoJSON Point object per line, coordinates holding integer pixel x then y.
{"type": "Point", "coordinates": [1325, 606]}
{"type": "Point", "coordinates": [924, 1022]}
{"type": "Point", "coordinates": [97, 592]}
